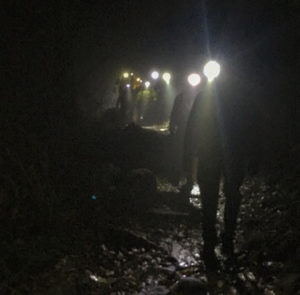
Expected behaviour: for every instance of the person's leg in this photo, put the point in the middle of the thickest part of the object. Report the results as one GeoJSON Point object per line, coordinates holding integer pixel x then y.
{"type": "Point", "coordinates": [232, 181]}
{"type": "Point", "coordinates": [175, 154]}
{"type": "Point", "coordinates": [189, 172]}
{"type": "Point", "coordinates": [209, 180]}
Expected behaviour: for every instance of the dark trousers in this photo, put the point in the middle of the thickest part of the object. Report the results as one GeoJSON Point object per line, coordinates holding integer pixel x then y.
{"type": "Point", "coordinates": [210, 170]}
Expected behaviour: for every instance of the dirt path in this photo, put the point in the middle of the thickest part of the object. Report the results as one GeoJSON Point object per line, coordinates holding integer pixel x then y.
{"type": "Point", "coordinates": [162, 251]}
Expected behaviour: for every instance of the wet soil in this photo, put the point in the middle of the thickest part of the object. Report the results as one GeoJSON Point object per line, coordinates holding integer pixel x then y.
{"type": "Point", "coordinates": [152, 253]}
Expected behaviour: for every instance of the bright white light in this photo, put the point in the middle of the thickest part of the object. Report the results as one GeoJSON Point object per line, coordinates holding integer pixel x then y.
{"type": "Point", "coordinates": [131, 74]}
{"type": "Point", "coordinates": [138, 79]}
{"type": "Point", "coordinates": [128, 85]}
{"type": "Point", "coordinates": [147, 84]}
{"type": "Point", "coordinates": [194, 79]}
{"type": "Point", "coordinates": [125, 75]}
{"type": "Point", "coordinates": [94, 278]}
{"type": "Point", "coordinates": [155, 75]}
{"type": "Point", "coordinates": [167, 77]}
{"type": "Point", "coordinates": [211, 70]}
{"type": "Point", "coordinates": [195, 190]}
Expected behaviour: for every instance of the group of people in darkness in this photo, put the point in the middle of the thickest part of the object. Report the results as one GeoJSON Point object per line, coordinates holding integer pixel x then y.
{"type": "Point", "coordinates": [141, 104]}
{"type": "Point", "coordinates": [214, 137]}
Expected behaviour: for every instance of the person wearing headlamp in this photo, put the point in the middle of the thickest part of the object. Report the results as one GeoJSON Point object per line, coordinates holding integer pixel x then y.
{"type": "Point", "coordinates": [177, 126]}
{"type": "Point", "coordinates": [213, 135]}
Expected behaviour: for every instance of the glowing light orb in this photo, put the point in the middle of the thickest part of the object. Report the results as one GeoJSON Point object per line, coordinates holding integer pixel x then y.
{"type": "Point", "coordinates": [125, 75]}
{"type": "Point", "coordinates": [194, 79]}
{"type": "Point", "coordinates": [94, 197]}
{"type": "Point", "coordinates": [167, 77]}
{"type": "Point", "coordinates": [131, 74]}
{"type": "Point", "coordinates": [147, 84]}
{"type": "Point", "coordinates": [211, 70]}
{"type": "Point", "coordinates": [138, 79]}
{"type": "Point", "coordinates": [128, 85]}
{"type": "Point", "coordinates": [155, 75]}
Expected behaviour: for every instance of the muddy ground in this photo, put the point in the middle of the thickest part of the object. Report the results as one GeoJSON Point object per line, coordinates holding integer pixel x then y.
{"type": "Point", "coordinates": [121, 232]}
{"type": "Point", "coordinates": [160, 251]}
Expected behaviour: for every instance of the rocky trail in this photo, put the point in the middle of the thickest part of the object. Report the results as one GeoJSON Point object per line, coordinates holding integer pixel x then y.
{"type": "Point", "coordinates": [160, 252]}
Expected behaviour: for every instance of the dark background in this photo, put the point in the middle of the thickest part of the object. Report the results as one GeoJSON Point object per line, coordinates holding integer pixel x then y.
{"type": "Point", "coordinates": [60, 59]}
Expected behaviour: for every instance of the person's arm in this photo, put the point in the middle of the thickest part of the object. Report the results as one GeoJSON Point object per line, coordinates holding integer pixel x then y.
{"type": "Point", "coordinates": [191, 138]}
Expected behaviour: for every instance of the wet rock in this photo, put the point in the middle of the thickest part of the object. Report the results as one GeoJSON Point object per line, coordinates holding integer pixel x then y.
{"type": "Point", "coordinates": [269, 292]}
{"type": "Point", "coordinates": [170, 271]}
{"type": "Point", "coordinates": [189, 286]}
{"type": "Point", "coordinates": [157, 290]}
{"type": "Point", "coordinates": [183, 255]}
{"type": "Point", "coordinates": [232, 291]}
